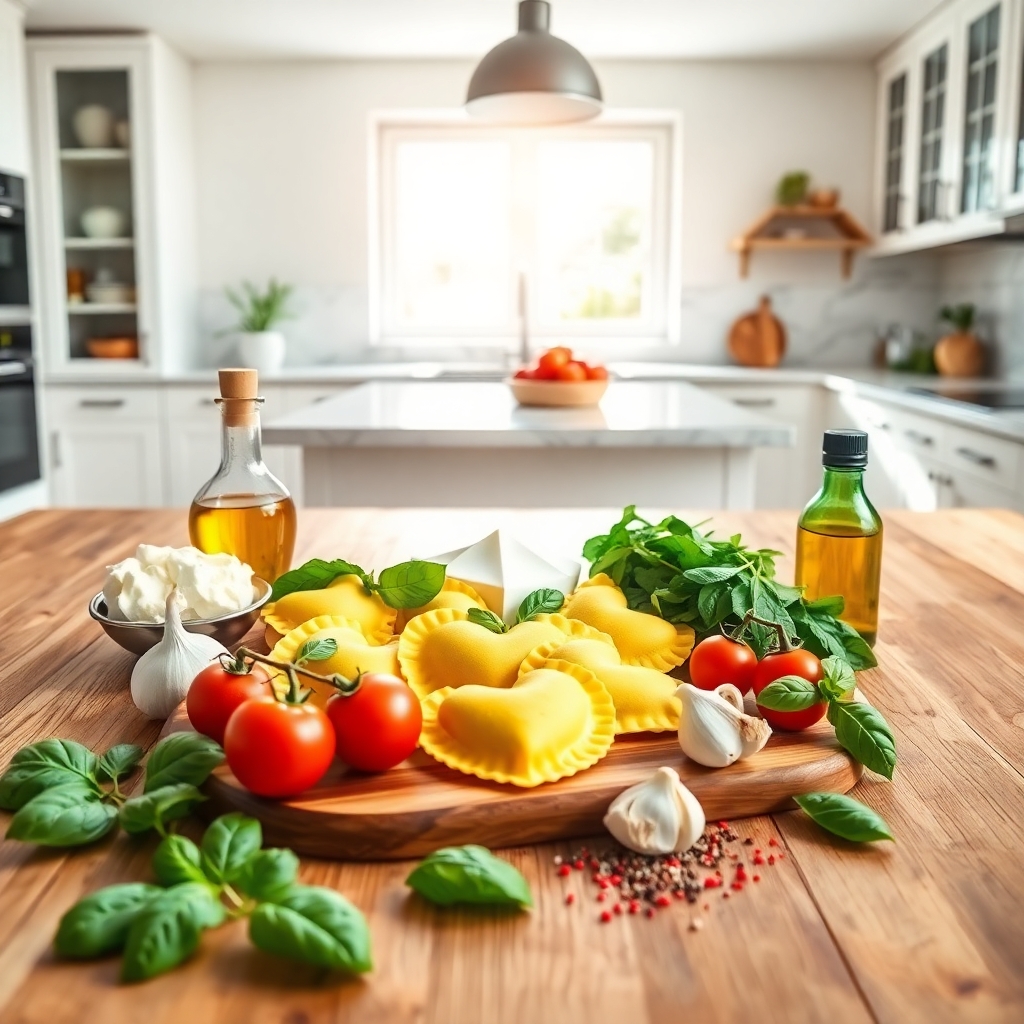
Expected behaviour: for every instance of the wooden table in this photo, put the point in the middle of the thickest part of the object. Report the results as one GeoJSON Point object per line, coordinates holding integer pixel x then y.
{"type": "Point", "coordinates": [931, 929]}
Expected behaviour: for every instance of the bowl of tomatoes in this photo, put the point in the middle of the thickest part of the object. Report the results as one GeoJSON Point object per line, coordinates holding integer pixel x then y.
{"type": "Point", "coordinates": [560, 380]}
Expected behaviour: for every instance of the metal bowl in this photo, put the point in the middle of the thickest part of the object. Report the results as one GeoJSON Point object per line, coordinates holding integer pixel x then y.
{"type": "Point", "coordinates": [139, 637]}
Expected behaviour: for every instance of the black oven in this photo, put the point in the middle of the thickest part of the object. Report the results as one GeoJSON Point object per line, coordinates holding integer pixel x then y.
{"type": "Point", "coordinates": [13, 245]}
{"type": "Point", "coordinates": [19, 441]}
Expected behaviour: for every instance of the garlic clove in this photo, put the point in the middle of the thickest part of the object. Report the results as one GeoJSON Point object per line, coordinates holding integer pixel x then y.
{"type": "Point", "coordinates": [658, 815]}
{"type": "Point", "coordinates": [713, 729]}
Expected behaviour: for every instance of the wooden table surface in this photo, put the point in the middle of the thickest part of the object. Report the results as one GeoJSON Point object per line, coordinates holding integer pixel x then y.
{"type": "Point", "coordinates": [929, 929]}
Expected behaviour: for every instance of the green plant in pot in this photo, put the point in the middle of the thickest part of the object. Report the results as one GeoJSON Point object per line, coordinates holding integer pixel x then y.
{"type": "Point", "coordinates": [792, 188]}
{"type": "Point", "coordinates": [259, 311]}
{"type": "Point", "coordinates": [959, 353]}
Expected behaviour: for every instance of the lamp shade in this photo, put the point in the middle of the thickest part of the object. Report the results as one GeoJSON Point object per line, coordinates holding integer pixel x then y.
{"type": "Point", "coordinates": [534, 77]}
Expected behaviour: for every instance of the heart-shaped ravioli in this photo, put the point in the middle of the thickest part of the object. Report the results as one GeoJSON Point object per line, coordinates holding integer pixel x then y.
{"type": "Point", "coordinates": [552, 723]}
{"type": "Point", "coordinates": [443, 648]}
{"type": "Point", "coordinates": [353, 655]}
{"type": "Point", "coordinates": [644, 698]}
{"type": "Point", "coordinates": [454, 594]}
{"type": "Point", "coordinates": [346, 597]}
{"type": "Point", "coordinates": [640, 638]}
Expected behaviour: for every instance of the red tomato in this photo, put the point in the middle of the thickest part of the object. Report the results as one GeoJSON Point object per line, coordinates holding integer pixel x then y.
{"type": "Point", "coordinates": [277, 749]}
{"type": "Point", "coordinates": [545, 373]}
{"type": "Point", "coordinates": [572, 372]}
{"type": "Point", "coordinates": [378, 726]}
{"type": "Point", "coordinates": [717, 660]}
{"type": "Point", "coordinates": [217, 691]}
{"type": "Point", "coordinates": [522, 374]}
{"type": "Point", "coordinates": [597, 373]}
{"type": "Point", "coordinates": [554, 359]}
{"type": "Point", "coordinates": [789, 663]}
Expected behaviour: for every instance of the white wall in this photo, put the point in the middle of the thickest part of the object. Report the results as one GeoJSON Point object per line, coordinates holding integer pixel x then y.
{"type": "Point", "coordinates": [282, 163]}
{"type": "Point", "coordinates": [13, 103]}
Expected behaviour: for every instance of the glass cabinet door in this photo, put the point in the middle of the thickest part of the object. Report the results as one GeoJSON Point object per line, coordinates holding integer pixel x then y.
{"type": "Point", "coordinates": [979, 154]}
{"type": "Point", "coordinates": [894, 135]}
{"type": "Point", "coordinates": [930, 188]}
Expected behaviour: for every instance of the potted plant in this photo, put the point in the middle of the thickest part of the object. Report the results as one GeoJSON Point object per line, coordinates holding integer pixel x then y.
{"type": "Point", "coordinates": [959, 353]}
{"type": "Point", "coordinates": [259, 346]}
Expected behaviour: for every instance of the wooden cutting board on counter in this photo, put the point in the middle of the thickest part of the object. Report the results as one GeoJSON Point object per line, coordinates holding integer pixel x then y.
{"type": "Point", "coordinates": [422, 805]}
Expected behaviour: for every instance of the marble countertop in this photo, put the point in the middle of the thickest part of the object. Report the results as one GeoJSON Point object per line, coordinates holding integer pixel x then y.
{"type": "Point", "coordinates": [483, 414]}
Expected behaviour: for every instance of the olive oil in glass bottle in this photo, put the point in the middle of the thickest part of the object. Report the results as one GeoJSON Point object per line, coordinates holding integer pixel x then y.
{"type": "Point", "coordinates": [839, 535]}
{"type": "Point", "coordinates": [244, 509]}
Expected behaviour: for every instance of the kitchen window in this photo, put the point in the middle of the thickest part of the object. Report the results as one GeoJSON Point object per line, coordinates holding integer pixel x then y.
{"type": "Point", "coordinates": [583, 219]}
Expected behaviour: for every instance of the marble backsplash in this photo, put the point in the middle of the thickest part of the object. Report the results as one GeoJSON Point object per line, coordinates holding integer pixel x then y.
{"type": "Point", "coordinates": [828, 324]}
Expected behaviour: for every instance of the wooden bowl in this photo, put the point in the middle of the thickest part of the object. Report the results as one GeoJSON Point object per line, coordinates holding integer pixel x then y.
{"type": "Point", "coordinates": [824, 198]}
{"type": "Point", "coordinates": [558, 392]}
{"type": "Point", "coordinates": [113, 348]}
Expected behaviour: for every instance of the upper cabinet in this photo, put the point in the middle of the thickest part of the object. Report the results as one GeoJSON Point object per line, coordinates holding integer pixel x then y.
{"type": "Point", "coordinates": [13, 103]}
{"type": "Point", "coordinates": [949, 117]}
{"type": "Point", "coordinates": [116, 216]}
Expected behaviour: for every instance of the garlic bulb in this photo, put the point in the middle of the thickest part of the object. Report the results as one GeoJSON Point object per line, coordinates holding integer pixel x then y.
{"type": "Point", "coordinates": [659, 815]}
{"type": "Point", "coordinates": [714, 730]}
{"type": "Point", "coordinates": [162, 676]}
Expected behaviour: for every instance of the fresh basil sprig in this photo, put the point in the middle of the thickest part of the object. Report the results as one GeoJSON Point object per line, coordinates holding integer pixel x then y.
{"type": "Point", "coordinates": [119, 761]}
{"type": "Point", "coordinates": [486, 618]}
{"type": "Point", "coordinates": [790, 693]}
{"type": "Point", "coordinates": [407, 585]}
{"type": "Point", "coordinates": [469, 874]}
{"type": "Point", "coordinates": [544, 601]}
{"type": "Point", "coordinates": [230, 842]}
{"type": "Point", "coordinates": [182, 757]}
{"type": "Point", "coordinates": [177, 860]}
{"type": "Point", "coordinates": [158, 807]}
{"type": "Point", "coordinates": [844, 817]}
{"type": "Point", "coordinates": [45, 765]}
{"type": "Point", "coordinates": [99, 924]}
{"type": "Point", "coordinates": [68, 815]}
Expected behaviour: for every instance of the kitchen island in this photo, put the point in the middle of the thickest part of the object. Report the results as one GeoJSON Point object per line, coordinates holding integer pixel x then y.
{"type": "Point", "coordinates": [923, 930]}
{"type": "Point", "coordinates": [448, 444]}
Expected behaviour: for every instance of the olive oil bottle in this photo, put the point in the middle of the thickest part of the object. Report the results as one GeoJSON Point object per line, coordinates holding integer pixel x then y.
{"type": "Point", "coordinates": [839, 535]}
{"type": "Point", "coordinates": [244, 509]}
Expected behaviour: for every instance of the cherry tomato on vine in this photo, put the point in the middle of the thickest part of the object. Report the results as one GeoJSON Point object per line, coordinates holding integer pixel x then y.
{"type": "Point", "coordinates": [277, 748]}
{"type": "Point", "coordinates": [377, 726]}
{"type": "Point", "coordinates": [797, 662]}
{"type": "Point", "coordinates": [219, 689]}
{"type": "Point", "coordinates": [718, 659]}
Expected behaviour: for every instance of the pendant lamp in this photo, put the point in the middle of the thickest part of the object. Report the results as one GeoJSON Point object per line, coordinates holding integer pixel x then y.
{"type": "Point", "coordinates": [534, 77]}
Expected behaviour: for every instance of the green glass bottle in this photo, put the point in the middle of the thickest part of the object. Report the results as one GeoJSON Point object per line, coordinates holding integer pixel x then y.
{"type": "Point", "coordinates": [839, 535]}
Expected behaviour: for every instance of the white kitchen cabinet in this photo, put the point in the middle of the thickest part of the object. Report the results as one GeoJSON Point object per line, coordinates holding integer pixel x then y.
{"type": "Point", "coordinates": [13, 101]}
{"type": "Point", "coordinates": [105, 447]}
{"type": "Point", "coordinates": [149, 181]}
{"type": "Point", "coordinates": [786, 477]}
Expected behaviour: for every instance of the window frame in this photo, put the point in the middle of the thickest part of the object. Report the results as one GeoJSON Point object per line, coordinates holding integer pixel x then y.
{"type": "Point", "coordinates": [662, 127]}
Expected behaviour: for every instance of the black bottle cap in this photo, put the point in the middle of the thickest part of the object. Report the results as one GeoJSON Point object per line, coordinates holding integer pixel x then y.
{"type": "Point", "coordinates": [845, 448]}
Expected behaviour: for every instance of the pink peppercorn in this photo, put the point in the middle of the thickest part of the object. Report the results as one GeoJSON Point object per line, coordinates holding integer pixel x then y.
{"type": "Point", "coordinates": [757, 878]}
{"type": "Point", "coordinates": [650, 911]}
{"type": "Point", "coordinates": [601, 897]}
{"type": "Point", "coordinates": [617, 908]}
{"type": "Point", "coordinates": [564, 870]}
{"type": "Point", "coordinates": [570, 899]}
{"type": "Point", "coordinates": [578, 865]}
{"type": "Point", "coordinates": [606, 916]}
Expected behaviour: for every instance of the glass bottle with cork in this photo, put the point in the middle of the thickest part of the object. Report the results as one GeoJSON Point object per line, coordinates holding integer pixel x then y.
{"type": "Point", "coordinates": [839, 535]}
{"type": "Point", "coordinates": [244, 509]}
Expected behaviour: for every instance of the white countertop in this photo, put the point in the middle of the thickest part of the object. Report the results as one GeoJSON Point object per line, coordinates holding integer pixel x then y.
{"type": "Point", "coordinates": [481, 414]}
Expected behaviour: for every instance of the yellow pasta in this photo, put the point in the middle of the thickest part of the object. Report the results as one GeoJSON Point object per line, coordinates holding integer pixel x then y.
{"type": "Point", "coordinates": [454, 594]}
{"type": "Point", "coordinates": [346, 597]}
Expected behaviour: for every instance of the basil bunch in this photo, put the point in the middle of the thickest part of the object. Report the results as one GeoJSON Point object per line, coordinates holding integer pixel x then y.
{"type": "Point", "coordinates": [65, 795]}
{"type": "Point", "coordinates": [407, 585]}
{"type": "Point", "coordinates": [469, 874]}
{"type": "Point", "coordinates": [228, 875]}
{"type": "Point", "coordinates": [677, 571]}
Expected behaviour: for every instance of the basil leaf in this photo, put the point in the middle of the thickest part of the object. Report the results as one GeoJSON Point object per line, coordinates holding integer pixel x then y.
{"type": "Point", "coordinates": [176, 860]}
{"type": "Point", "coordinates": [68, 815]}
{"type": "Point", "coordinates": [862, 731]}
{"type": "Point", "coordinates": [829, 605]}
{"type": "Point", "coordinates": [790, 693]}
{"type": "Point", "coordinates": [844, 817]}
{"type": "Point", "coordinates": [269, 875]}
{"type": "Point", "coordinates": [544, 601]}
{"type": "Point", "coordinates": [487, 619]}
{"type": "Point", "coordinates": [229, 842]}
{"type": "Point", "coordinates": [316, 574]}
{"type": "Point", "coordinates": [159, 806]}
{"type": "Point", "coordinates": [856, 649]}
{"type": "Point", "coordinates": [119, 761]}
{"type": "Point", "coordinates": [42, 766]}
{"type": "Point", "coordinates": [410, 584]}
{"type": "Point", "coordinates": [317, 650]}
{"type": "Point", "coordinates": [166, 930]}
{"type": "Point", "coordinates": [712, 574]}
{"type": "Point", "coordinates": [182, 757]}
{"type": "Point", "coordinates": [99, 923]}
{"type": "Point", "coordinates": [314, 925]}
{"type": "Point", "coordinates": [839, 681]}
{"type": "Point", "coordinates": [469, 874]}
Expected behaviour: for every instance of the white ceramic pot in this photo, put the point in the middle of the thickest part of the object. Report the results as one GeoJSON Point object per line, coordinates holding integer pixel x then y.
{"type": "Point", "coordinates": [103, 222]}
{"type": "Point", "coordinates": [94, 126]}
{"type": "Point", "coordinates": [262, 350]}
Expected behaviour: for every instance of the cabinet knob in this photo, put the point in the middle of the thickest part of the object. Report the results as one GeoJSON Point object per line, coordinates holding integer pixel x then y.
{"type": "Point", "coordinates": [978, 458]}
{"type": "Point", "coordinates": [919, 438]}
{"type": "Point", "coordinates": [754, 403]}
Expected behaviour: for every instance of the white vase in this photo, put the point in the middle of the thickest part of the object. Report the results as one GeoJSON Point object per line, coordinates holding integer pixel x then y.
{"type": "Point", "coordinates": [262, 351]}
{"type": "Point", "coordinates": [94, 126]}
{"type": "Point", "coordinates": [103, 222]}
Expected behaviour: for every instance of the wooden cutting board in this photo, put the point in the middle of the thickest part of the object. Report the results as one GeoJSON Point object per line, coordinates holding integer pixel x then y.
{"type": "Point", "coordinates": [422, 805]}
{"type": "Point", "coordinates": [758, 338]}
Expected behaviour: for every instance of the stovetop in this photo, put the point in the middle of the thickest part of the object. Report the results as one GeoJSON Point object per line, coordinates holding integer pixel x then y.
{"type": "Point", "coordinates": [981, 397]}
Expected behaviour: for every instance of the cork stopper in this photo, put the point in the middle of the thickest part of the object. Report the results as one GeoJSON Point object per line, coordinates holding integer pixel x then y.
{"type": "Point", "coordinates": [239, 389]}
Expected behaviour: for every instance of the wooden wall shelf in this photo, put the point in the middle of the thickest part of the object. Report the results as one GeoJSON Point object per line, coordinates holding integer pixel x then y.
{"type": "Point", "coordinates": [807, 228]}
